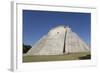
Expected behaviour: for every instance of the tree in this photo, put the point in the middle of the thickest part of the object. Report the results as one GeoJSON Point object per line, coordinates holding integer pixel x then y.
{"type": "Point", "coordinates": [26, 48]}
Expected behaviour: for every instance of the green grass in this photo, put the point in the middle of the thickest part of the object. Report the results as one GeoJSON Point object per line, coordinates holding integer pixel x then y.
{"type": "Point", "coordinates": [74, 56]}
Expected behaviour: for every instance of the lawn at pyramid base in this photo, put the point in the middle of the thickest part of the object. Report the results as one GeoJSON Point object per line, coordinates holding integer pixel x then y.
{"type": "Point", "coordinates": [59, 41]}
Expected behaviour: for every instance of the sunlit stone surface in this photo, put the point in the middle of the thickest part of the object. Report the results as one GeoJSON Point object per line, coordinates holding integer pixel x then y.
{"type": "Point", "coordinates": [59, 40]}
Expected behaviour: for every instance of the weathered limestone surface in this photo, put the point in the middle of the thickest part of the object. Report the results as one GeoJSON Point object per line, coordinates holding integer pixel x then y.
{"type": "Point", "coordinates": [59, 40]}
{"type": "Point", "coordinates": [74, 43]}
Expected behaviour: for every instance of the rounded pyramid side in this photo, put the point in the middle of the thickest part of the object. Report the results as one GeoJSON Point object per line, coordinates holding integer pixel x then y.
{"type": "Point", "coordinates": [50, 44]}
{"type": "Point", "coordinates": [74, 43]}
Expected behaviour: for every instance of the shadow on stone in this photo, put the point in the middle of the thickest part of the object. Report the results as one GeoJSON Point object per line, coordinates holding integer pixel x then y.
{"type": "Point", "coordinates": [85, 57]}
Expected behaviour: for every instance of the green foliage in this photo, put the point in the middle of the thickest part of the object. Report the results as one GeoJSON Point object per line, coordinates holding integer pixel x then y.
{"type": "Point", "coordinates": [85, 57]}
{"type": "Point", "coordinates": [26, 48]}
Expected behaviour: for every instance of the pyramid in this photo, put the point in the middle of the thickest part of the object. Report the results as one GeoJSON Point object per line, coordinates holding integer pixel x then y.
{"type": "Point", "coordinates": [59, 40]}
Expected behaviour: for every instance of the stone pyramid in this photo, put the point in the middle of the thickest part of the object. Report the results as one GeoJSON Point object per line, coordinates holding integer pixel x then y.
{"type": "Point", "coordinates": [59, 40]}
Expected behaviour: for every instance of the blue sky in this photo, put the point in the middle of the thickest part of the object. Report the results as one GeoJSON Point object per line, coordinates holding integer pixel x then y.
{"type": "Point", "coordinates": [38, 23]}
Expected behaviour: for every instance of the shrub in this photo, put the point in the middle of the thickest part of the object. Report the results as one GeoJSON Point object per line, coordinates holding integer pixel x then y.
{"type": "Point", "coordinates": [26, 48]}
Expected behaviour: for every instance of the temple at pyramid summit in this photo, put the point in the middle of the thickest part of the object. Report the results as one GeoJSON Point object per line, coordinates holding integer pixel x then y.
{"type": "Point", "coordinates": [59, 40]}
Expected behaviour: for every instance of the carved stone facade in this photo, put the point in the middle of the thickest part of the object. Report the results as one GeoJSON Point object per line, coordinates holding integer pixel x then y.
{"type": "Point", "coordinates": [59, 40]}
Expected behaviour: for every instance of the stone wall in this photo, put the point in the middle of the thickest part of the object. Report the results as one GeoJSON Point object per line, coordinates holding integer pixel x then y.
{"type": "Point", "coordinates": [53, 43]}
